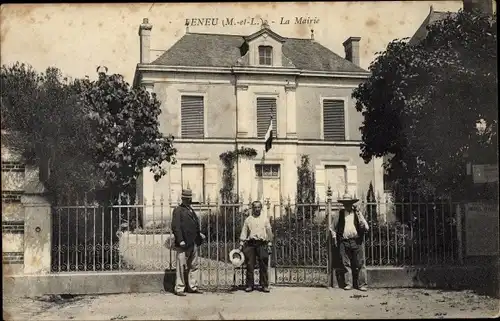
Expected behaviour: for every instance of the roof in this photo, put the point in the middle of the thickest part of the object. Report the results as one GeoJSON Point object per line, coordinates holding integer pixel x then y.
{"type": "Point", "coordinates": [432, 17]}
{"type": "Point", "coordinates": [224, 50]}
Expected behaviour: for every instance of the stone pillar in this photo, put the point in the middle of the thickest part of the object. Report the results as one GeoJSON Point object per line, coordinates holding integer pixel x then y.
{"type": "Point", "coordinates": [37, 225]}
{"type": "Point", "coordinates": [291, 111]}
{"type": "Point", "coordinates": [145, 45]}
{"type": "Point", "coordinates": [243, 104]}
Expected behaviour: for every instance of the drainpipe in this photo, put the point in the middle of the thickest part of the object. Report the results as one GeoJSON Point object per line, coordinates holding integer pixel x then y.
{"type": "Point", "coordinates": [236, 135]}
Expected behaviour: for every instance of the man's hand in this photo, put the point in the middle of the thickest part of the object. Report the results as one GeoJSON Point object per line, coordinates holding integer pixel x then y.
{"type": "Point", "coordinates": [269, 247]}
{"type": "Point", "coordinates": [203, 237]}
{"type": "Point", "coordinates": [241, 246]}
{"type": "Point", "coordinates": [182, 243]}
{"type": "Point", "coordinates": [334, 236]}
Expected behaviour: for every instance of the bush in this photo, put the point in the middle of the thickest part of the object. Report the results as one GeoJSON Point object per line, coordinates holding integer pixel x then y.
{"type": "Point", "coordinates": [299, 241]}
{"type": "Point", "coordinates": [223, 224]}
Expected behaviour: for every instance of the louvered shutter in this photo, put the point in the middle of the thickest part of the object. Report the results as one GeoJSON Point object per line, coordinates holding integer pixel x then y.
{"type": "Point", "coordinates": [192, 118]}
{"type": "Point", "coordinates": [266, 107]}
{"type": "Point", "coordinates": [333, 120]}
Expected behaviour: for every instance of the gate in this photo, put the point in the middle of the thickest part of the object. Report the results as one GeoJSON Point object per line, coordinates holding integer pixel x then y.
{"type": "Point", "coordinates": [128, 237]}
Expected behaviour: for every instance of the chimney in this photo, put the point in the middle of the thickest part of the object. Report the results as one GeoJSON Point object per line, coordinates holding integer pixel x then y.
{"type": "Point", "coordinates": [145, 35]}
{"type": "Point", "coordinates": [312, 34]}
{"type": "Point", "coordinates": [483, 6]}
{"type": "Point", "coordinates": [351, 46]}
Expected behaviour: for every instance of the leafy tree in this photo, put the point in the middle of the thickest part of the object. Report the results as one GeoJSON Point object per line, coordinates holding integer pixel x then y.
{"type": "Point", "coordinates": [98, 135]}
{"type": "Point", "coordinates": [125, 131]}
{"type": "Point", "coordinates": [422, 103]}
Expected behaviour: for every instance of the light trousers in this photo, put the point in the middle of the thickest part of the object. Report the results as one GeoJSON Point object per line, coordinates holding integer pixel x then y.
{"type": "Point", "coordinates": [187, 269]}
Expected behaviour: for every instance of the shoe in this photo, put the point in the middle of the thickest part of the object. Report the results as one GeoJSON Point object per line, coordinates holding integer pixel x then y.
{"type": "Point", "coordinates": [195, 291]}
{"type": "Point", "coordinates": [180, 293]}
{"type": "Point", "coordinates": [348, 287]}
{"type": "Point", "coordinates": [363, 288]}
{"type": "Point", "coordinates": [248, 289]}
{"type": "Point", "coordinates": [265, 289]}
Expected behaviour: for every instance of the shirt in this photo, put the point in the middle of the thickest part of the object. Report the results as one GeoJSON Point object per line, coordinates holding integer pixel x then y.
{"type": "Point", "coordinates": [256, 228]}
{"type": "Point", "coordinates": [349, 227]}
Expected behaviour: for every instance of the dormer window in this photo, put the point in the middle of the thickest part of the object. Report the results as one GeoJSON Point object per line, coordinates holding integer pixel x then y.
{"type": "Point", "coordinates": [265, 55]}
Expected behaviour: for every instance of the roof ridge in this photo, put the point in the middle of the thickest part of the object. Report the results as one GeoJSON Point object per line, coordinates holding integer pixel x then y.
{"type": "Point", "coordinates": [214, 34]}
{"type": "Point", "coordinates": [234, 35]}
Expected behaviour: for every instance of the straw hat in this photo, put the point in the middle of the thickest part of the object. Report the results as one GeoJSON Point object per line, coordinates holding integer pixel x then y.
{"type": "Point", "coordinates": [347, 199]}
{"type": "Point", "coordinates": [187, 193]}
{"type": "Point", "coordinates": [236, 257]}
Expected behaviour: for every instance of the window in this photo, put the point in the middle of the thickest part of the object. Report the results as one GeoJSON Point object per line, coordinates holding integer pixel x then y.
{"type": "Point", "coordinates": [267, 170]}
{"type": "Point", "coordinates": [193, 177]}
{"type": "Point", "coordinates": [266, 55]}
{"type": "Point", "coordinates": [192, 117]}
{"type": "Point", "coordinates": [266, 108]}
{"type": "Point", "coordinates": [333, 120]}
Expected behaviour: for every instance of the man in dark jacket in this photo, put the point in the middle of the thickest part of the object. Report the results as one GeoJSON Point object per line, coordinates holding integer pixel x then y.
{"type": "Point", "coordinates": [187, 238]}
{"type": "Point", "coordinates": [347, 230]}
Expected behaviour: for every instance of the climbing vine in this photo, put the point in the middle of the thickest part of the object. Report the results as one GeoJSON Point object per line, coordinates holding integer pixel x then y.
{"type": "Point", "coordinates": [229, 160]}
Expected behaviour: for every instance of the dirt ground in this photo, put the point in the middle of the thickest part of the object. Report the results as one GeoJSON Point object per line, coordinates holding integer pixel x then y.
{"type": "Point", "coordinates": [281, 303]}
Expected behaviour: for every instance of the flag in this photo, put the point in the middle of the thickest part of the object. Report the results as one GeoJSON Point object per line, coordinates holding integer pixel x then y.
{"type": "Point", "coordinates": [269, 136]}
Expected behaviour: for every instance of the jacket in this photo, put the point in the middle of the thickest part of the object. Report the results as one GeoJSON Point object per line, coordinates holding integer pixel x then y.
{"type": "Point", "coordinates": [186, 226]}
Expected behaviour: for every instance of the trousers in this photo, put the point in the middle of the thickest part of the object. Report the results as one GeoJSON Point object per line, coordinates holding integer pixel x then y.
{"type": "Point", "coordinates": [187, 269]}
{"type": "Point", "coordinates": [256, 251]}
{"type": "Point", "coordinates": [352, 254]}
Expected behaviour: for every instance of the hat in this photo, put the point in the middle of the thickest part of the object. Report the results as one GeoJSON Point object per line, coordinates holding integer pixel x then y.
{"type": "Point", "coordinates": [186, 193]}
{"type": "Point", "coordinates": [347, 199]}
{"type": "Point", "coordinates": [236, 257]}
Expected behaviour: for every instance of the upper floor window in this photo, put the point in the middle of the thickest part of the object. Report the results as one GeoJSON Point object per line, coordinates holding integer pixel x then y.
{"type": "Point", "coordinates": [333, 120]}
{"type": "Point", "coordinates": [192, 117]}
{"type": "Point", "coordinates": [266, 55]}
{"type": "Point", "coordinates": [266, 109]}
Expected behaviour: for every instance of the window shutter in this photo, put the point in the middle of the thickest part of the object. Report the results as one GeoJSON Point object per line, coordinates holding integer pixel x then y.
{"type": "Point", "coordinates": [333, 120]}
{"type": "Point", "coordinates": [192, 117]}
{"type": "Point", "coordinates": [266, 108]}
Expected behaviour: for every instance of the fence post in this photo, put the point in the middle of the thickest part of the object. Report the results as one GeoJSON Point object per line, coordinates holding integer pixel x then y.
{"type": "Point", "coordinates": [329, 268]}
{"type": "Point", "coordinates": [459, 234]}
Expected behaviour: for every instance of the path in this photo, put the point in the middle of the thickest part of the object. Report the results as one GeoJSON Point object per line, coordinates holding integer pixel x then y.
{"type": "Point", "coordinates": [281, 303]}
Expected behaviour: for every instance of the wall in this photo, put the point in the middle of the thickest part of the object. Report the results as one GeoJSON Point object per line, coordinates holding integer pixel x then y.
{"type": "Point", "coordinates": [220, 102]}
{"type": "Point", "coordinates": [230, 107]}
{"type": "Point", "coordinates": [26, 224]}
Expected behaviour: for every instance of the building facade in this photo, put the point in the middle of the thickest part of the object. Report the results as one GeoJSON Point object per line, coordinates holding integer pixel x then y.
{"type": "Point", "coordinates": [219, 92]}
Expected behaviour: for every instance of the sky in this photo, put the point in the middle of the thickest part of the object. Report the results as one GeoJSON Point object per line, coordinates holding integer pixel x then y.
{"type": "Point", "coordinates": [77, 38]}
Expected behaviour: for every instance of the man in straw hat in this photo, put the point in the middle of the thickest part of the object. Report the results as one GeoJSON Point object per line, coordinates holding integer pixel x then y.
{"type": "Point", "coordinates": [255, 240]}
{"type": "Point", "coordinates": [347, 231]}
{"type": "Point", "coordinates": [187, 237]}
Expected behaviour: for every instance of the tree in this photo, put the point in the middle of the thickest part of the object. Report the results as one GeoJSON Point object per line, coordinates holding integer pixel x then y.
{"type": "Point", "coordinates": [422, 103]}
{"type": "Point", "coordinates": [125, 131]}
{"type": "Point", "coordinates": [306, 182]}
{"type": "Point", "coordinates": [99, 135]}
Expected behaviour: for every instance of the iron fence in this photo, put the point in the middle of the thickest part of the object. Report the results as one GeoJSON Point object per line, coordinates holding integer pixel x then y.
{"type": "Point", "coordinates": [137, 237]}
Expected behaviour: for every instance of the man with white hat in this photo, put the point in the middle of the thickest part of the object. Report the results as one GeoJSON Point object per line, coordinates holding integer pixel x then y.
{"type": "Point", "coordinates": [187, 237]}
{"type": "Point", "coordinates": [347, 231]}
{"type": "Point", "coordinates": [255, 240]}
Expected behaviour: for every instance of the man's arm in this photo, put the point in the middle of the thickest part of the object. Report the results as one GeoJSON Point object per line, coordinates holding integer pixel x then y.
{"type": "Point", "coordinates": [176, 225]}
{"type": "Point", "coordinates": [244, 231]}
{"type": "Point", "coordinates": [361, 219]}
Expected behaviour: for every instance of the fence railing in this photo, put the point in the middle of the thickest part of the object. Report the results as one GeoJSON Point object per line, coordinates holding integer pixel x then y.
{"type": "Point", "coordinates": [137, 237]}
